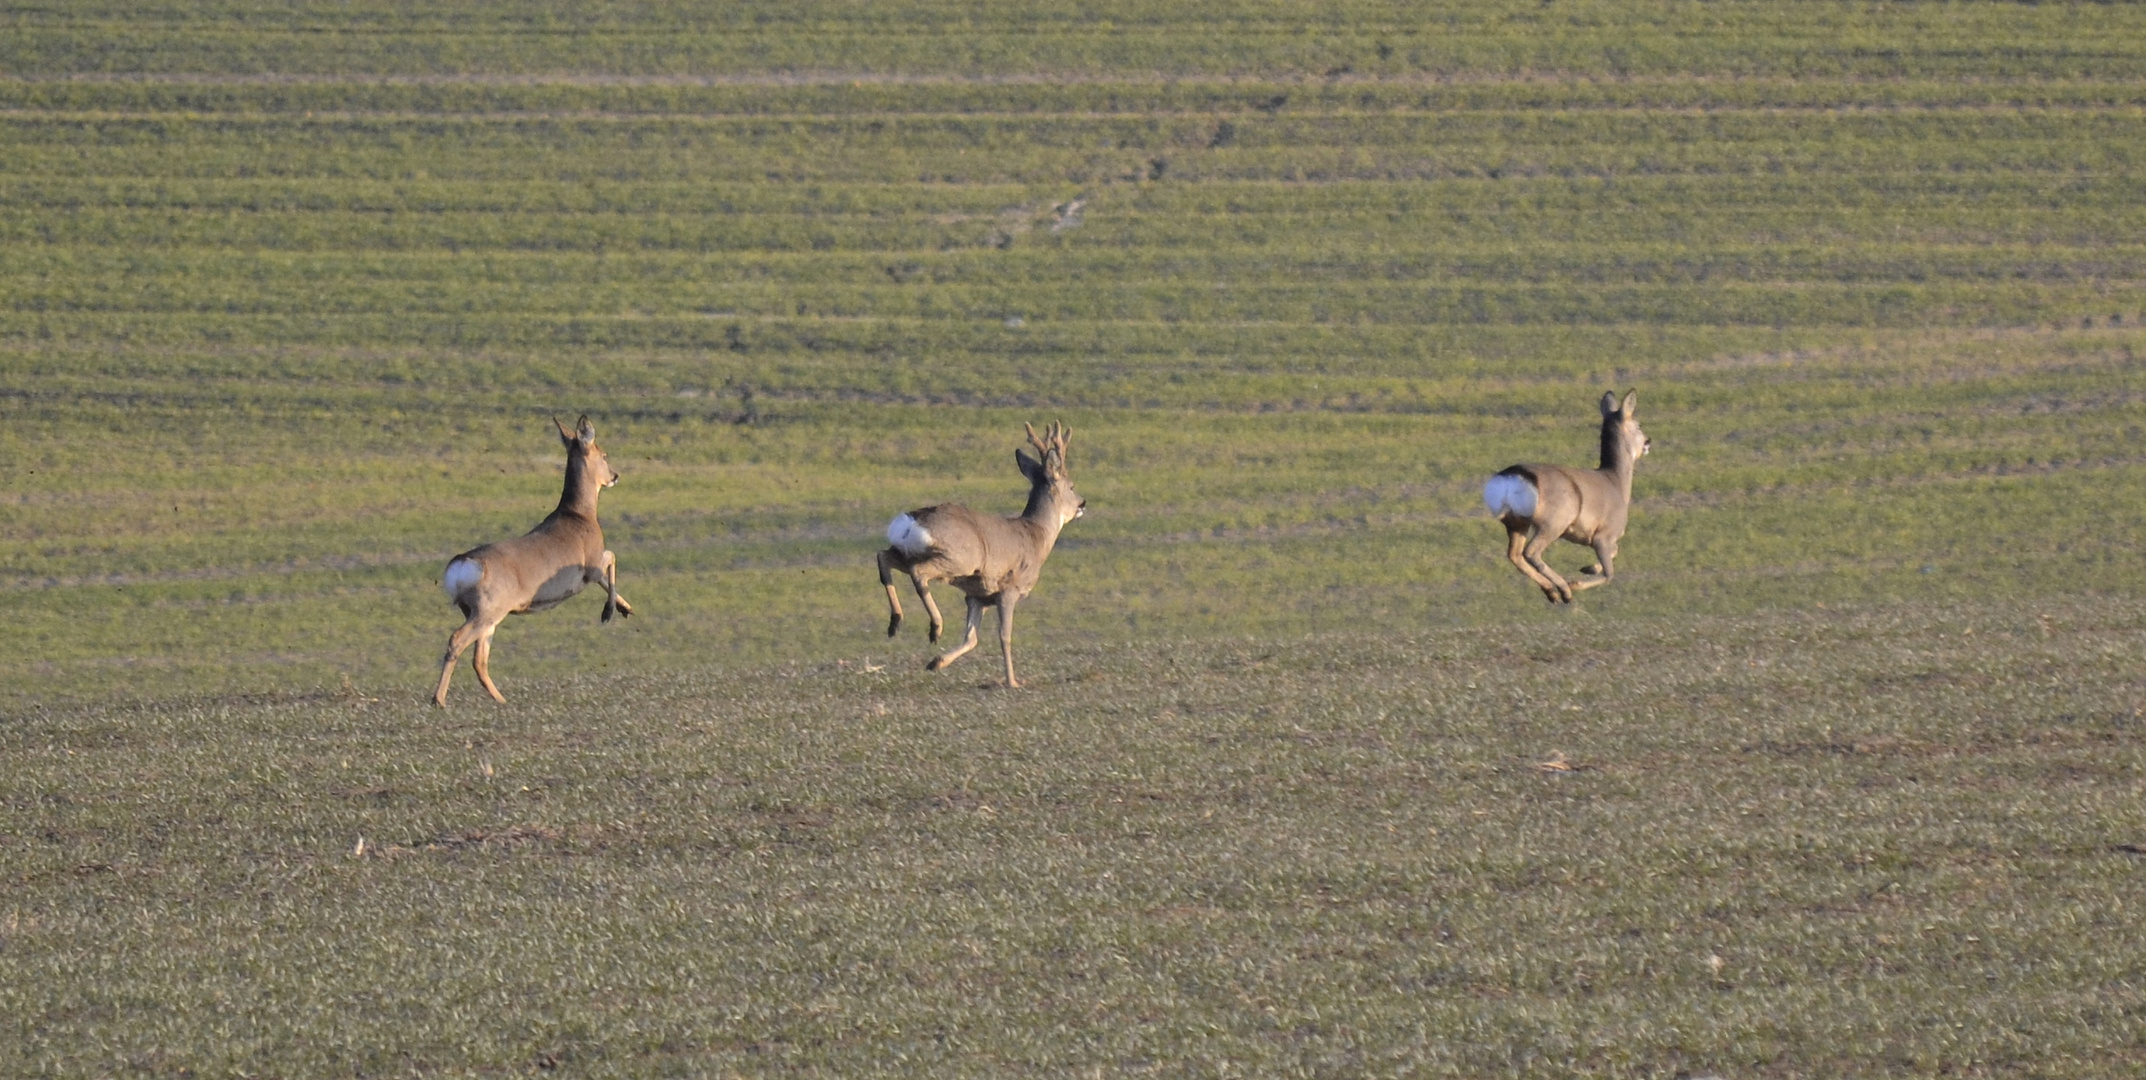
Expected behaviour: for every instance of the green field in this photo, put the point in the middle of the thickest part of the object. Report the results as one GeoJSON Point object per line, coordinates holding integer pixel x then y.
{"type": "Point", "coordinates": [1842, 776]}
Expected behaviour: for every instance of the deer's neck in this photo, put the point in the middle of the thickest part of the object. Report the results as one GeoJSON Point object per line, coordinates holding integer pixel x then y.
{"type": "Point", "coordinates": [579, 498]}
{"type": "Point", "coordinates": [1616, 458]}
{"type": "Point", "coordinates": [1041, 514]}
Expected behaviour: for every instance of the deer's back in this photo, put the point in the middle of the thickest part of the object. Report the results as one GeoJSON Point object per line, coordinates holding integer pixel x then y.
{"type": "Point", "coordinates": [561, 540]}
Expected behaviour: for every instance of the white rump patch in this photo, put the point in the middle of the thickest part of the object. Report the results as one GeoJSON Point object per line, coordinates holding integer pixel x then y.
{"type": "Point", "coordinates": [1509, 493]}
{"type": "Point", "coordinates": [907, 536]}
{"type": "Point", "coordinates": [462, 576]}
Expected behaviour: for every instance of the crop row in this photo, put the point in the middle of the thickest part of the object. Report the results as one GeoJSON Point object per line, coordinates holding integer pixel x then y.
{"type": "Point", "coordinates": [904, 358]}
{"type": "Point", "coordinates": [911, 359]}
{"type": "Point", "coordinates": [509, 19]}
{"type": "Point", "coordinates": [694, 153]}
{"type": "Point", "coordinates": [265, 310]}
{"type": "Point", "coordinates": [1472, 129]}
{"type": "Point", "coordinates": [1750, 286]}
{"type": "Point", "coordinates": [1241, 101]}
{"type": "Point", "coordinates": [1576, 36]}
{"type": "Point", "coordinates": [1900, 378]}
{"type": "Point", "coordinates": [1370, 263]}
{"type": "Point", "coordinates": [1808, 242]}
{"type": "Point", "coordinates": [1682, 199]}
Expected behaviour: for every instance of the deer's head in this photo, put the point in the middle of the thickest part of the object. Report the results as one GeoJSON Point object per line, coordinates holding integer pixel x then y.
{"type": "Point", "coordinates": [581, 443]}
{"type": "Point", "coordinates": [1046, 473]}
{"type": "Point", "coordinates": [1622, 441]}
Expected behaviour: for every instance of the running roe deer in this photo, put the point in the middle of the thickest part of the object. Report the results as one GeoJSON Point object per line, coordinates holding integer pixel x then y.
{"type": "Point", "coordinates": [542, 569]}
{"type": "Point", "coordinates": [991, 559]}
{"type": "Point", "coordinates": [1540, 504]}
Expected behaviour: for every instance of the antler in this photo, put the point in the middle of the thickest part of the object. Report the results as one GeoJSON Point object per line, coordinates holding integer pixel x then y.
{"type": "Point", "coordinates": [1053, 438]}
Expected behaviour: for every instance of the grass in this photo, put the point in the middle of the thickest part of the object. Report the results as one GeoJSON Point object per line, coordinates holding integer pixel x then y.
{"type": "Point", "coordinates": [1884, 842]}
{"type": "Point", "coordinates": [1839, 778]}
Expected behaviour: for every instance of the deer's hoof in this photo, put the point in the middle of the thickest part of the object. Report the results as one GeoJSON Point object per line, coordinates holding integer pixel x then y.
{"type": "Point", "coordinates": [935, 663]}
{"type": "Point", "coordinates": [936, 630]}
{"type": "Point", "coordinates": [894, 622]}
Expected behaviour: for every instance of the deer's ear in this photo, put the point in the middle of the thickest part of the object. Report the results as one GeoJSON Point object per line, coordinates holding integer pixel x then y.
{"type": "Point", "coordinates": [1630, 400]}
{"type": "Point", "coordinates": [586, 430]}
{"type": "Point", "coordinates": [565, 436]}
{"type": "Point", "coordinates": [1029, 466]}
{"type": "Point", "coordinates": [1609, 403]}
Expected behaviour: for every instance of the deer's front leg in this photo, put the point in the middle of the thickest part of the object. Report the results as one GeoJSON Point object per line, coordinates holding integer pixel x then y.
{"type": "Point", "coordinates": [1005, 635]}
{"type": "Point", "coordinates": [1604, 569]}
{"type": "Point", "coordinates": [607, 576]}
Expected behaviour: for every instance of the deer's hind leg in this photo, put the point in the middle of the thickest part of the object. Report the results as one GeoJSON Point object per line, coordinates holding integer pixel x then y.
{"type": "Point", "coordinates": [482, 661]}
{"type": "Point", "coordinates": [976, 621]}
{"type": "Point", "coordinates": [931, 607]}
{"type": "Point", "coordinates": [1516, 542]}
{"type": "Point", "coordinates": [1558, 590]}
{"type": "Point", "coordinates": [461, 639]}
{"type": "Point", "coordinates": [894, 602]}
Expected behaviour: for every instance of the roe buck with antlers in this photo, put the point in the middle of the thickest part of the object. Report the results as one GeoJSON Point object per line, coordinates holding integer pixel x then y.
{"type": "Point", "coordinates": [1541, 504]}
{"type": "Point", "coordinates": [542, 569]}
{"type": "Point", "coordinates": [991, 559]}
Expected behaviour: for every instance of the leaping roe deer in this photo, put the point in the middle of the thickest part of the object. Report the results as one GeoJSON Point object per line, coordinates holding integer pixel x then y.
{"type": "Point", "coordinates": [545, 568]}
{"type": "Point", "coordinates": [991, 559]}
{"type": "Point", "coordinates": [1541, 504]}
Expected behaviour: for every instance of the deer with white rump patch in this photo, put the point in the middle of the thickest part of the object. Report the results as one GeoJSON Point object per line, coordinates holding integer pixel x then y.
{"type": "Point", "coordinates": [992, 560]}
{"type": "Point", "coordinates": [1541, 504]}
{"type": "Point", "coordinates": [542, 569]}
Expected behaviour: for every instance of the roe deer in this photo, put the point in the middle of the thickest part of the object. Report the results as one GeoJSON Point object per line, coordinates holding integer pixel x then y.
{"type": "Point", "coordinates": [991, 559]}
{"type": "Point", "coordinates": [1540, 504]}
{"type": "Point", "coordinates": [542, 569]}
